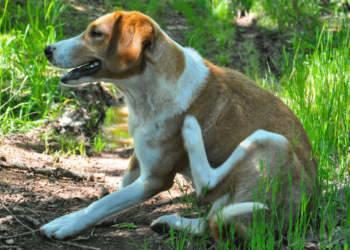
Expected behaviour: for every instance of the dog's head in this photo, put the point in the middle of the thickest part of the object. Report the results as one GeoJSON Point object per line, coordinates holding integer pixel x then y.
{"type": "Point", "coordinates": [115, 46]}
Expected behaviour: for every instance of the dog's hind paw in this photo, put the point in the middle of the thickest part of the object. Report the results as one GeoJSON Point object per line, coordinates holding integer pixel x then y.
{"type": "Point", "coordinates": [167, 222]}
{"type": "Point", "coordinates": [191, 132]}
{"type": "Point", "coordinates": [161, 225]}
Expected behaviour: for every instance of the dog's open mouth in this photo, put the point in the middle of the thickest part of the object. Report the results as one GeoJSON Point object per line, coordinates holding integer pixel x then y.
{"type": "Point", "coordinates": [83, 70]}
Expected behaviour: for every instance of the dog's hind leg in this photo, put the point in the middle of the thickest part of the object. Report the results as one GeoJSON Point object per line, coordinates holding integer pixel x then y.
{"type": "Point", "coordinates": [269, 146]}
{"type": "Point", "coordinates": [204, 176]}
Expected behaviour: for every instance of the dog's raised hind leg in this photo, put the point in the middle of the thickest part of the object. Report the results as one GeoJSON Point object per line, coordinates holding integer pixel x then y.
{"type": "Point", "coordinates": [204, 176]}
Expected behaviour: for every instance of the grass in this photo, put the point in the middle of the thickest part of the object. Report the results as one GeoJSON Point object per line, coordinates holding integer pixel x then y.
{"type": "Point", "coordinates": [27, 87]}
{"type": "Point", "coordinates": [316, 88]}
{"type": "Point", "coordinates": [309, 70]}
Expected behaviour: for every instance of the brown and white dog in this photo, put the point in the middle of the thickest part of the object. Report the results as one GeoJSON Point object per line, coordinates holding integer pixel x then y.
{"type": "Point", "coordinates": [187, 116]}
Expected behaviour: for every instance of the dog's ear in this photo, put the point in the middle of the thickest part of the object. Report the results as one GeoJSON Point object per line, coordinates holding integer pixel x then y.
{"type": "Point", "coordinates": [127, 40]}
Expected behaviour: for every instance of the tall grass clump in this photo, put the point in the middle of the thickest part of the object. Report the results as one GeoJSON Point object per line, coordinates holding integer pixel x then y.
{"type": "Point", "coordinates": [212, 34]}
{"type": "Point", "coordinates": [292, 13]}
{"type": "Point", "coordinates": [316, 87]}
{"type": "Point", "coordinates": [27, 86]}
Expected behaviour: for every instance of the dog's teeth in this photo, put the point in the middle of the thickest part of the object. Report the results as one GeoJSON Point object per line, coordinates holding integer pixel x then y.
{"type": "Point", "coordinates": [91, 66]}
{"type": "Point", "coordinates": [96, 63]}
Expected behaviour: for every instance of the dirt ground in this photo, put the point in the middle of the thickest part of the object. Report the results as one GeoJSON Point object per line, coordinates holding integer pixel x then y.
{"type": "Point", "coordinates": [30, 200]}
{"type": "Point", "coordinates": [42, 198]}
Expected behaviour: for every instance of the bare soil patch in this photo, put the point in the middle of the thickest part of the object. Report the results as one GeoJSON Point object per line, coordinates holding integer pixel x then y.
{"type": "Point", "coordinates": [45, 198]}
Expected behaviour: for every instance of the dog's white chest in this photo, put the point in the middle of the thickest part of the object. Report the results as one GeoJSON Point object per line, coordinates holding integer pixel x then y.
{"type": "Point", "coordinates": [147, 150]}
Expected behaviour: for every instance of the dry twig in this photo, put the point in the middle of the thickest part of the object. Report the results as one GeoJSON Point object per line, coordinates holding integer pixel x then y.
{"type": "Point", "coordinates": [16, 217]}
{"type": "Point", "coordinates": [59, 172]}
{"type": "Point", "coordinates": [19, 235]}
{"type": "Point", "coordinates": [56, 241]}
{"type": "Point", "coordinates": [31, 210]}
{"type": "Point", "coordinates": [9, 247]}
{"type": "Point", "coordinates": [30, 219]}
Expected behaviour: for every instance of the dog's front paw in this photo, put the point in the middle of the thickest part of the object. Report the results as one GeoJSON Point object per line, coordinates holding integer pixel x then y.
{"type": "Point", "coordinates": [66, 226]}
{"type": "Point", "coordinates": [191, 132]}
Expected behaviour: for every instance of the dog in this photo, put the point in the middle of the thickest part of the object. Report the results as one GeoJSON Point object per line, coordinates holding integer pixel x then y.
{"type": "Point", "coordinates": [211, 124]}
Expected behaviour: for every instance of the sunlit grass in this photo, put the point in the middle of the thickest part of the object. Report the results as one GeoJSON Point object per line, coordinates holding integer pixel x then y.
{"type": "Point", "coordinates": [27, 88]}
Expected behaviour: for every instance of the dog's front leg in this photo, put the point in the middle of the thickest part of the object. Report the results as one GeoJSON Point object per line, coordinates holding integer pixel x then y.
{"type": "Point", "coordinates": [131, 174]}
{"type": "Point", "coordinates": [129, 196]}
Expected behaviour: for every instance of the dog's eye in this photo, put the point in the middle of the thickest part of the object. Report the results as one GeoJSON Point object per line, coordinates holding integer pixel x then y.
{"type": "Point", "coordinates": [95, 33]}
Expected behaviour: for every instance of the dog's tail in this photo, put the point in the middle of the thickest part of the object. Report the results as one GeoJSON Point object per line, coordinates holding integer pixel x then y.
{"type": "Point", "coordinates": [222, 224]}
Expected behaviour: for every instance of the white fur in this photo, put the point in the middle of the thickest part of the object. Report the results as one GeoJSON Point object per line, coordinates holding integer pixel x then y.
{"type": "Point", "coordinates": [61, 53]}
{"type": "Point", "coordinates": [192, 80]}
{"type": "Point", "coordinates": [194, 226]}
{"type": "Point", "coordinates": [263, 135]}
{"type": "Point", "coordinates": [239, 209]}
{"type": "Point", "coordinates": [189, 85]}
{"type": "Point", "coordinates": [218, 204]}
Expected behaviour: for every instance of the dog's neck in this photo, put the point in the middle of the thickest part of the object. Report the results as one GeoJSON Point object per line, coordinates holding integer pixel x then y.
{"type": "Point", "coordinates": [171, 81]}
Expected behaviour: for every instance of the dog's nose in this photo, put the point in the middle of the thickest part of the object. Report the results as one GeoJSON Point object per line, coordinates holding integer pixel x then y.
{"type": "Point", "coordinates": [48, 50]}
